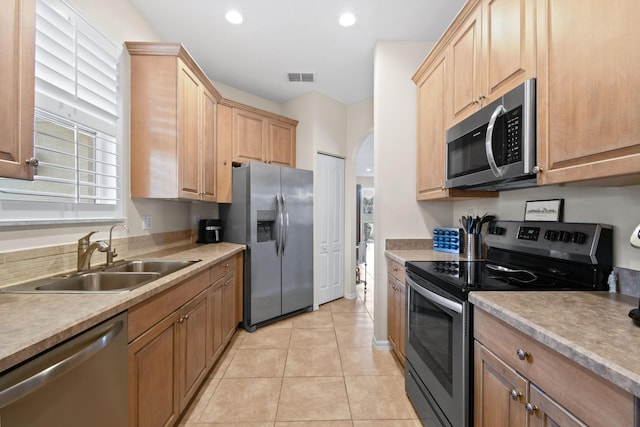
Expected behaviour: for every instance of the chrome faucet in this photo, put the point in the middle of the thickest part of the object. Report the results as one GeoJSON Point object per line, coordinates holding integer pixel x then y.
{"type": "Point", "coordinates": [111, 251]}
{"type": "Point", "coordinates": [86, 248]}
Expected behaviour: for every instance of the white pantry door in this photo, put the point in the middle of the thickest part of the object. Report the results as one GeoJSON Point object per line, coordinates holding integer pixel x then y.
{"type": "Point", "coordinates": [330, 242]}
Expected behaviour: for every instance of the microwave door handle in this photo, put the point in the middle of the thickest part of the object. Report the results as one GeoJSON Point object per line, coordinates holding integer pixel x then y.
{"type": "Point", "coordinates": [488, 144]}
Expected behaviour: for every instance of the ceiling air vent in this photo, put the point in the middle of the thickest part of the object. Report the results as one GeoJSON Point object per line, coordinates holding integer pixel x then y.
{"type": "Point", "coordinates": [301, 77]}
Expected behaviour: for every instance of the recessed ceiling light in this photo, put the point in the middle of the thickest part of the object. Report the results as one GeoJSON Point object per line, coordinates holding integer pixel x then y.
{"type": "Point", "coordinates": [347, 19]}
{"type": "Point", "coordinates": [234, 17]}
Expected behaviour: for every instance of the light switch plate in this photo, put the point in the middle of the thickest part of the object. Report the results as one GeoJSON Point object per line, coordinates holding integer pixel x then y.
{"type": "Point", "coordinates": [635, 237]}
{"type": "Point", "coordinates": [146, 222]}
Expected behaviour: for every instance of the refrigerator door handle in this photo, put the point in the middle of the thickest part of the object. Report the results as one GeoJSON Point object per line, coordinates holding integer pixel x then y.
{"type": "Point", "coordinates": [280, 219]}
{"type": "Point", "coordinates": [277, 225]}
{"type": "Point", "coordinates": [285, 230]}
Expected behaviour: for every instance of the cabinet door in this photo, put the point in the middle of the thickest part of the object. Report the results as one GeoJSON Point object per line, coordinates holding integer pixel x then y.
{"type": "Point", "coordinates": [401, 320]}
{"type": "Point", "coordinates": [508, 44]}
{"type": "Point", "coordinates": [189, 91]}
{"type": "Point", "coordinates": [249, 136]}
{"type": "Point", "coordinates": [431, 144]}
{"type": "Point", "coordinates": [282, 144]}
{"type": "Point", "coordinates": [224, 153]}
{"type": "Point", "coordinates": [391, 311]}
{"type": "Point", "coordinates": [588, 62]}
{"type": "Point", "coordinates": [208, 148]}
{"type": "Point", "coordinates": [464, 57]}
{"type": "Point", "coordinates": [193, 346]}
{"type": "Point", "coordinates": [548, 413]}
{"type": "Point", "coordinates": [153, 376]}
{"type": "Point", "coordinates": [228, 307]}
{"type": "Point", "coordinates": [216, 343]}
{"type": "Point", "coordinates": [17, 46]}
{"type": "Point", "coordinates": [499, 392]}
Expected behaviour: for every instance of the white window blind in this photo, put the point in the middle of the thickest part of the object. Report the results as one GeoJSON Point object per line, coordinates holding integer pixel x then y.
{"type": "Point", "coordinates": [76, 125]}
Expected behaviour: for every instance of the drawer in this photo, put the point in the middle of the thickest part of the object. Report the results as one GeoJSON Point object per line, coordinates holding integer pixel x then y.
{"type": "Point", "coordinates": [146, 314]}
{"type": "Point", "coordinates": [222, 268]}
{"type": "Point", "coordinates": [588, 396]}
{"type": "Point", "coordinates": [396, 269]}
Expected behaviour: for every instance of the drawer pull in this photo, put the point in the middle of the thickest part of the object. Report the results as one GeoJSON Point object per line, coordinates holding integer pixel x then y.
{"type": "Point", "coordinates": [530, 408]}
{"type": "Point", "coordinates": [522, 355]}
{"type": "Point", "coordinates": [395, 269]}
{"type": "Point", "coordinates": [515, 395]}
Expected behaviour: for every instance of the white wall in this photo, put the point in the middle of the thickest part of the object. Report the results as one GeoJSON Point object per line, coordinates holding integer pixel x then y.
{"type": "Point", "coordinates": [397, 214]}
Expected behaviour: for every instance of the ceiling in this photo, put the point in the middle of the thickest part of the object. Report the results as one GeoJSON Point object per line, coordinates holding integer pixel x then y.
{"type": "Point", "coordinates": [301, 36]}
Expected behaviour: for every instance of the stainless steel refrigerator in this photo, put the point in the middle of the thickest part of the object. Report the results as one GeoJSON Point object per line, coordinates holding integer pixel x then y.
{"type": "Point", "coordinates": [272, 214]}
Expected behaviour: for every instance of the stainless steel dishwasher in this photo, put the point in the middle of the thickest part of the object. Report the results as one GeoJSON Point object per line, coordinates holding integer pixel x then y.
{"type": "Point", "coordinates": [80, 382]}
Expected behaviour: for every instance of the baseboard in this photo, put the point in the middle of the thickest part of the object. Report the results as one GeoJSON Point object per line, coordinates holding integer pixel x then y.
{"type": "Point", "coordinates": [351, 296]}
{"type": "Point", "coordinates": [381, 344]}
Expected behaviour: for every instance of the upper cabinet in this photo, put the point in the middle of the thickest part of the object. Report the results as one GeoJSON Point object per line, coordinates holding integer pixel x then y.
{"type": "Point", "coordinates": [263, 137]}
{"type": "Point", "coordinates": [587, 87]}
{"type": "Point", "coordinates": [490, 51]}
{"type": "Point", "coordinates": [173, 113]}
{"type": "Point", "coordinates": [17, 43]}
{"type": "Point", "coordinates": [185, 137]}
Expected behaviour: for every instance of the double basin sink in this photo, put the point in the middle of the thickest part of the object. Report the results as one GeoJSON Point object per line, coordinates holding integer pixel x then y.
{"type": "Point", "coordinates": [120, 277]}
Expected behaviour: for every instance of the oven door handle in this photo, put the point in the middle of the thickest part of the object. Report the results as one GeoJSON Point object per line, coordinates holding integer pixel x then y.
{"type": "Point", "coordinates": [435, 298]}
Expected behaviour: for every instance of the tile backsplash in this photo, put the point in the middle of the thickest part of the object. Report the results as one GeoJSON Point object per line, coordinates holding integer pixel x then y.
{"type": "Point", "coordinates": [29, 264]}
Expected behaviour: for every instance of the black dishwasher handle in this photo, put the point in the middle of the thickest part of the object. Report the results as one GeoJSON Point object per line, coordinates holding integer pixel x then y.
{"type": "Point", "coordinates": [21, 388]}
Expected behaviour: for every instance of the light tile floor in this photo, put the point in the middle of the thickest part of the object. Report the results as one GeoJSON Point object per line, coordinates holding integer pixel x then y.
{"type": "Point", "coordinates": [316, 369]}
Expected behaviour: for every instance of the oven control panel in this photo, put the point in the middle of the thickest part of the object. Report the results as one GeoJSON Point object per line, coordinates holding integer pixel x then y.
{"type": "Point", "coordinates": [555, 239]}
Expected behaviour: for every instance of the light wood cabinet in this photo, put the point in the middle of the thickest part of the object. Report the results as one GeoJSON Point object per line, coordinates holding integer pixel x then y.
{"type": "Point", "coordinates": [153, 375]}
{"type": "Point", "coordinates": [500, 392]}
{"type": "Point", "coordinates": [431, 156]}
{"type": "Point", "coordinates": [173, 129]}
{"type": "Point", "coordinates": [587, 86]}
{"type": "Point", "coordinates": [281, 149]}
{"type": "Point", "coordinates": [193, 332]}
{"type": "Point", "coordinates": [17, 71]}
{"type": "Point", "coordinates": [520, 381]}
{"type": "Point", "coordinates": [259, 136]}
{"type": "Point", "coordinates": [491, 51]}
{"type": "Point", "coordinates": [175, 338]}
{"type": "Point", "coordinates": [224, 152]}
{"type": "Point", "coordinates": [396, 308]}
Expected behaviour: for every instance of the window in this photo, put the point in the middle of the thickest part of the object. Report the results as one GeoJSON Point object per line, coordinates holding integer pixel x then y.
{"type": "Point", "coordinates": [76, 125]}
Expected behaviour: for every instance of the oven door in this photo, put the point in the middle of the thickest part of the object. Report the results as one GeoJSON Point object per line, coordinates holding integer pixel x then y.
{"type": "Point", "coordinates": [438, 353]}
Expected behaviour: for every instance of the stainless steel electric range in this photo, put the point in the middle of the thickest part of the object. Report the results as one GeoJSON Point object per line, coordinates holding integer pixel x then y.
{"type": "Point", "coordinates": [520, 256]}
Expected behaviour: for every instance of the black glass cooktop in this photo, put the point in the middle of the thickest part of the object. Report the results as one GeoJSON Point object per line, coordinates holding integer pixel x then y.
{"type": "Point", "coordinates": [461, 277]}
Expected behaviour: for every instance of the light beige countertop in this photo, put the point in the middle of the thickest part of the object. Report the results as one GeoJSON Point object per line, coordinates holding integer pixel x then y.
{"type": "Point", "coordinates": [403, 255]}
{"type": "Point", "coordinates": [32, 323]}
{"type": "Point", "coordinates": [591, 328]}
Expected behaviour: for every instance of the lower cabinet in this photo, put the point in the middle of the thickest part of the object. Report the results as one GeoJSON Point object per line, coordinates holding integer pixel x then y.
{"type": "Point", "coordinates": [396, 308]}
{"type": "Point", "coordinates": [519, 381]}
{"type": "Point", "coordinates": [175, 338]}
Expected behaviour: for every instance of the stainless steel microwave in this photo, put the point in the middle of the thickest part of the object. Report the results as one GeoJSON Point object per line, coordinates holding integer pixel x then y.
{"type": "Point", "coordinates": [495, 148]}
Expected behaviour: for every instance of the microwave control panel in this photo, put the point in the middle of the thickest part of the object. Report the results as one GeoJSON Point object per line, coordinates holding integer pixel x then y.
{"type": "Point", "coordinates": [513, 136]}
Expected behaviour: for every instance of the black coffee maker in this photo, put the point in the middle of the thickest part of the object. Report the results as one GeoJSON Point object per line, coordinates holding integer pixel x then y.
{"type": "Point", "coordinates": [209, 231]}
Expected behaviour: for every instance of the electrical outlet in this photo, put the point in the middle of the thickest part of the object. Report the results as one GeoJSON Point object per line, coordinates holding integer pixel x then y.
{"type": "Point", "coordinates": [146, 222]}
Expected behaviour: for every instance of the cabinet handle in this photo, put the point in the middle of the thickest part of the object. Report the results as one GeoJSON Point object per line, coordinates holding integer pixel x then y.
{"type": "Point", "coordinates": [530, 408]}
{"type": "Point", "coordinates": [224, 163]}
{"type": "Point", "coordinates": [395, 269]}
{"type": "Point", "coordinates": [481, 97]}
{"type": "Point", "coordinates": [226, 265]}
{"type": "Point", "coordinates": [522, 355]}
{"type": "Point", "coordinates": [536, 169]}
{"type": "Point", "coordinates": [515, 395]}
